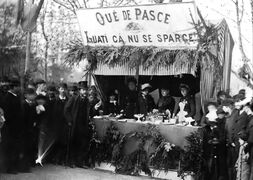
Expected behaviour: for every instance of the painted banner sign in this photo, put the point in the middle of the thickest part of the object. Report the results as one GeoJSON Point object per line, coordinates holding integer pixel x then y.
{"type": "Point", "coordinates": [162, 25]}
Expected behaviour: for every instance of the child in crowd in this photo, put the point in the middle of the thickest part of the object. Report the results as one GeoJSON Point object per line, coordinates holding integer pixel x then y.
{"type": "Point", "coordinates": [211, 114]}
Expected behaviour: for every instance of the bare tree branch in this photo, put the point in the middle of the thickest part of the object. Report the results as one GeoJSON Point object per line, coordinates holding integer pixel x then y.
{"type": "Point", "coordinates": [75, 4]}
{"type": "Point", "coordinates": [238, 20]}
{"type": "Point", "coordinates": [63, 5]}
{"type": "Point", "coordinates": [85, 4]}
{"type": "Point", "coordinates": [102, 3]}
{"type": "Point", "coordinates": [134, 2]}
{"type": "Point", "coordinates": [234, 1]}
{"type": "Point", "coordinates": [242, 11]}
{"type": "Point", "coordinates": [118, 3]}
{"type": "Point", "coordinates": [72, 5]}
{"type": "Point", "coordinates": [78, 3]}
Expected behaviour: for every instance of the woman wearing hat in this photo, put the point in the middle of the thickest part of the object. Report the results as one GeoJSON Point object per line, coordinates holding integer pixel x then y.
{"type": "Point", "coordinates": [187, 100]}
{"type": "Point", "coordinates": [145, 102]}
{"type": "Point", "coordinates": [166, 102]}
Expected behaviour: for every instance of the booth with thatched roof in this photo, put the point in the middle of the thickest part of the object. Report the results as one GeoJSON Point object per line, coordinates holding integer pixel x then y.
{"type": "Point", "coordinates": [156, 40]}
{"type": "Point", "coordinates": [162, 43]}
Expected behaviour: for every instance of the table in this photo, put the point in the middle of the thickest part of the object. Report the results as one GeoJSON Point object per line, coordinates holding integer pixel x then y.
{"type": "Point", "coordinates": [173, 133]}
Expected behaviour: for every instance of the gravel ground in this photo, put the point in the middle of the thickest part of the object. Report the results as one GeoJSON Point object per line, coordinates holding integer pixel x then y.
{"type": "Point", "coordinates": [52, 172]}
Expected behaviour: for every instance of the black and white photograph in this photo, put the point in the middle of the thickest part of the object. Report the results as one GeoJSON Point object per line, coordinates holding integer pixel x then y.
{"type": "Point", "coordinates": [126, 89]}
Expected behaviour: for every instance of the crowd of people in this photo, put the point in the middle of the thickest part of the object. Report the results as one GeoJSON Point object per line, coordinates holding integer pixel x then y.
{"type": "Point", "coordinates": [228, 137]}
{"type": "Point", "coordinates": [57, 116]}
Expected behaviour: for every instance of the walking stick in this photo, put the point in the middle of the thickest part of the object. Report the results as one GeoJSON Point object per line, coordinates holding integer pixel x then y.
{"type": "Point", "coordinates": [68, 144]}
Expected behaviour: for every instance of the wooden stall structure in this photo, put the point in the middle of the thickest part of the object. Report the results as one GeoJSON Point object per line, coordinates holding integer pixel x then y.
{"type": "Point", "coordinates": [154, 40]}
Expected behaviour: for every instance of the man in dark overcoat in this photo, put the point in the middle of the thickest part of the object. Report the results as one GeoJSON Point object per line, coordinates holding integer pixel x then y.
{"type": "Point", "coordinates": [30, 127]}
{"type": "Point", "coordinates": [60, 125]}
{"type": "Point", "coordinates": [77, 115]}
{"type": "Point", "coordinates": [12, 131]}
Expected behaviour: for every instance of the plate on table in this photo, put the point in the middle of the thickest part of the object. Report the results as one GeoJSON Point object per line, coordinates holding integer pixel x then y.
{"type": "Point", "coordinates": [122, 120]}
{"type": "Point", "coordinates": [168, 123]}
{"type": "Point", "coordinates": [180, 124]}
{"type": "Point", "coordinates": [130, 120]}
{"type": "Point", "coordinates": [98, 117]}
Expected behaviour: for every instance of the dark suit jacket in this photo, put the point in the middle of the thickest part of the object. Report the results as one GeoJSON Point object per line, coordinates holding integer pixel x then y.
{"type": "Point", "coordinates": [250, 138]}
{"type": "Point", "coordinates": [165, 103]}
{"type": "Point", "coordinates": [12, 112]}
{"type": "Point", "coordinates": [250, 129]}
{"type": "Point", "coordinates": [29, 117]}
{"type": "Point", "coordinates": [59, 121]}
{"type": "Point", "coordinates": [230, 121]}
{"type": "Point", "coordinates": [240, 124]}
{"type": "Point", "coordinates": [130, 103]}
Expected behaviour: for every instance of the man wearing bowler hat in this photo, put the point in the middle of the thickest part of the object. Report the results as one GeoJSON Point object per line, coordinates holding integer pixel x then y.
{"type": "Point", "coordinates": [77, 115]}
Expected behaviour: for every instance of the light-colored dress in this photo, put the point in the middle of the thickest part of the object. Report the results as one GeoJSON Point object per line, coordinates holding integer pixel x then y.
{"type": "Point", "coordinates": [242, 167]}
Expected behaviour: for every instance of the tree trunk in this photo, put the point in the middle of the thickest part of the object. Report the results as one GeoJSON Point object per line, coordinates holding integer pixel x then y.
{"type": "Point", "coordinates": [238, 21]}
{"type": "Point", "coordinates": [45, 62]}
{"type": "Point", "coordinates": [28, 51]}
{"type": "Point", "coordinates": [42, 22]}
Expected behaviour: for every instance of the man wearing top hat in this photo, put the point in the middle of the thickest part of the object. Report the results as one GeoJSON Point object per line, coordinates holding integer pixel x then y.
{"type": "Point", "coordinates": [145, 101]}
{"type": "Point", "coordinates": [76, 112]}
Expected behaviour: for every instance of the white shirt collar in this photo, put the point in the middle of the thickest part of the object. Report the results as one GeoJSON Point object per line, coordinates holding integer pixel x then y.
{"type": "Point", "coordinates": [62, 97]}
{"type": "Point", "coordinates": [13, 93]}
{"type": "Point", "coordinates": [29, 102]}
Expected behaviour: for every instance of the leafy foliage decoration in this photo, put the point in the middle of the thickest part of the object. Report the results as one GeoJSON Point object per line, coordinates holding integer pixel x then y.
{"type": "Point", "coordinates": [192, 159]}
{"type": "Point", "coordinates": [130, 56]}
{"type": "Point", "coordinates": [111, 150]}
